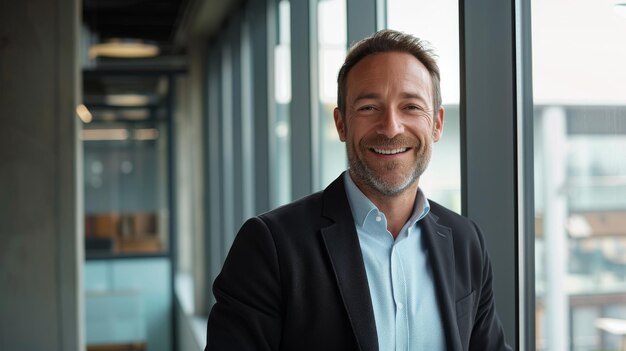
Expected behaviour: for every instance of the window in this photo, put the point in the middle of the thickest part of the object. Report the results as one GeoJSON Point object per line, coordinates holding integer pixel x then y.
{"type": "Point", "coordinates": [331, 51]}
{"type": "Point", "coordinates": [580, 174]}
{"type": "Point", "coordinates": [281, 171]}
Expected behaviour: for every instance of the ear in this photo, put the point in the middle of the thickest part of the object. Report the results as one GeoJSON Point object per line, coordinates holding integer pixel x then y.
{"type": "Point", "coordinates": [339, 124]}
{"type": "Point", "coordinates": [438, 128]}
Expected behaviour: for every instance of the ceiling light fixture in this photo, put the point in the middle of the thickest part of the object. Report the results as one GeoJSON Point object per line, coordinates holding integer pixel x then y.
{"type": "Point", "coordinates": [123, 48]}
{"type": "Point", "coordinates": [135, 115]}
{"type": "Point", "coordinates": [83, 113]}
{"type": "Point", "coordinates": [146, 134]}
{"type": "Point", "coordinates": [104, 134]}
{"type": "Point", "coordinates": [127, 100]}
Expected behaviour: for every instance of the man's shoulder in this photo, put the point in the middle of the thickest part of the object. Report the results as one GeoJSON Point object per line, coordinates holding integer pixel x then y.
{"type": "Point", "coordinates": [311, 207]}
{"type": "Point", "coordinates": [301, 206]}
{"type": "Point", "coordinates": [462, 227]}
{"type": "Point", "coordinates": [445, 214]}
{"type": "Point", "coordinates": [302, 215]}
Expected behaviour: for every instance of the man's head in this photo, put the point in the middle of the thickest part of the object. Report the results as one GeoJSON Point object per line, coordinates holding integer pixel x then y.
{"type": "Point", "coordinates": [386, 41]}
{"type": "Point", "coordinates": [390, 112]}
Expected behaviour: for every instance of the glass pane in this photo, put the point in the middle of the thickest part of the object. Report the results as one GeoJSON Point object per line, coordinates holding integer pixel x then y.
{"type": "Point", "coordinates": [331, 51]}
{"type": "Point", "coordinates": [580, 174]}
{"type": "Point", "coordinates": [281, 178]}
{"type": "Point", "coordinates": [437, 22]}
{"type": "Point", "coordinates": [125, 166]}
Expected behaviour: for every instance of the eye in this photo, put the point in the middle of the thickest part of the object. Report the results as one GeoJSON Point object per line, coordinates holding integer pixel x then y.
{"type": "Point", "coordinates": [413, 107]}
{"type": "Point", "coordinates": [367, 108]}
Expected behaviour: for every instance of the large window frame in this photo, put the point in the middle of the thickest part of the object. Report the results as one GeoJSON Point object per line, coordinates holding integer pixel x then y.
{"type": "Point", "coordinates": [497, 182]}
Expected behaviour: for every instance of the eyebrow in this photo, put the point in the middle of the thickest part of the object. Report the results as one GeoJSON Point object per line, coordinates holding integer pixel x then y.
{"type": "Point", "coordinates": [367, 96]}
{"type": "Point", "coordinates": [406, 95]}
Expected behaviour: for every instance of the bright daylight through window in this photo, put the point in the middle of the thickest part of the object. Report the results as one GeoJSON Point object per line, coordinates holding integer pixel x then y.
{"type": "Point", "coordinates": [580, 174]}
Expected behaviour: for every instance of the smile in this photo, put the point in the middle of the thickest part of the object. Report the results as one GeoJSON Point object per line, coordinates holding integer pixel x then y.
{"type": "Point", "coordinates": [389, 151]}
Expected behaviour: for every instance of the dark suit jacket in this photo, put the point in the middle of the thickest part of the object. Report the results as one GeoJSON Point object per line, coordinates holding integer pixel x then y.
{"type": "Point", "coordinates": [294, 279]}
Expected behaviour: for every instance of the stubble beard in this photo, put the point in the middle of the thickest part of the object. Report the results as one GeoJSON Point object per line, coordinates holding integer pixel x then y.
{"type": "Point", "coordinates": [370, 177]}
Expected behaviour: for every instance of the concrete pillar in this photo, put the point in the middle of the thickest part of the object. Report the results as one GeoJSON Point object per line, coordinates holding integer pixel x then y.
{"type": "Point", "coordinates": [554, 137]}
{"type": "Point", "coordinates": [41, 253]}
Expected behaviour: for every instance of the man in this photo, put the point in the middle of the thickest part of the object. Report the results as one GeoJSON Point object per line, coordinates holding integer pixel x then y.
{"type": "Point", "coordinates": [369, 263]}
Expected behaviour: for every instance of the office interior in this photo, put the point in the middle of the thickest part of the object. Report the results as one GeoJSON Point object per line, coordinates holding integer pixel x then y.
{"type": "Point", "coordinates": [137, 136]}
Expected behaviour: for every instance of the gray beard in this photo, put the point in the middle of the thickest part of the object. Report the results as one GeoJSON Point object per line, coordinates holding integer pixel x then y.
{"type": "Point", "coordinates": [366, 175]}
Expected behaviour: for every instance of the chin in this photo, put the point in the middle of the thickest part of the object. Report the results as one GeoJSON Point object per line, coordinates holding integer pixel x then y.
{"type": "Point", "coordinates": [394, 185]}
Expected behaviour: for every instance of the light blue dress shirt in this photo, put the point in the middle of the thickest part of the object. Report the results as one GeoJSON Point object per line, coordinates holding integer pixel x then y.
{"type": "Point", "coordinates": [399, 276]}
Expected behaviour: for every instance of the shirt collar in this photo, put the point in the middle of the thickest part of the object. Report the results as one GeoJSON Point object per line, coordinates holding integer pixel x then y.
{"type": "Point", "coordinates": [361, 206]}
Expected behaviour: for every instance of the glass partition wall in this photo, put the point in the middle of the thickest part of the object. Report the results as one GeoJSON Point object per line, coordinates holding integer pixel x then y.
{"type": "Point", "coordinates": [125, 148]}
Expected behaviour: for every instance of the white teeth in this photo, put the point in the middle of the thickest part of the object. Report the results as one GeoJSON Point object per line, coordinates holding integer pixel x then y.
{"type": "Point", "coordinates": [390, 151]}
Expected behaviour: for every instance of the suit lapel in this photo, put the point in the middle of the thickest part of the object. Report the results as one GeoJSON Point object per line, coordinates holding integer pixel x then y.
{"type": "Point", "coordinates": [438, 240]}
{"type": "Point", "coordinates": [342, 245]}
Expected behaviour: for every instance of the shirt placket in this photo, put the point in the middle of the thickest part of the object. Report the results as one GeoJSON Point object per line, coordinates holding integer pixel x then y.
{"type": "Point", "coordinates": [400, 298]}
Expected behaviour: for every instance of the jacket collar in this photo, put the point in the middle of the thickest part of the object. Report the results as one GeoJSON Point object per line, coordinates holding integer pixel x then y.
{"type": "Point", "coordinates": [342, 245]}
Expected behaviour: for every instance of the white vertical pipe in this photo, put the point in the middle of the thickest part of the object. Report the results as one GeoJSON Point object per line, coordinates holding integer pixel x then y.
{"type": "Point", "coordinates": [555, 215]}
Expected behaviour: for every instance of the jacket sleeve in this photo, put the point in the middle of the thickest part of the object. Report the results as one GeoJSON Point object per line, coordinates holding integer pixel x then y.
{"type": "Point", "coordinates": [247, 312]}
{"type": "Point", "coordinates": [487, 334]}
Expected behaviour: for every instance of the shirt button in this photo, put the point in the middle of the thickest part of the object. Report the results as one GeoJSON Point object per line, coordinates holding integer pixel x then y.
{"type": "Point", "coordinates": [378, 219]}
{"type": "Point", "coordinates": [400, 306]}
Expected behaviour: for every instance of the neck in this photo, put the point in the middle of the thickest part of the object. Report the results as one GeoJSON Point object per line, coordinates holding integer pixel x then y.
{"type": "Point", "coordinates": [397, 208]}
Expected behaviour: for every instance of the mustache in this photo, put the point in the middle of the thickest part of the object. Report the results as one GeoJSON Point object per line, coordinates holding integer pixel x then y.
{"type": "Point", "coordinates": [396, 142]}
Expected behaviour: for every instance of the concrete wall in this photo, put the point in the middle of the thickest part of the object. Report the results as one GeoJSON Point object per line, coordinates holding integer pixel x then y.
{"type": "Point", "coordinates": [40, 214]}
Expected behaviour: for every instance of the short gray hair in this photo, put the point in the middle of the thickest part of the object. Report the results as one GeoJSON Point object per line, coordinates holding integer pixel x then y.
{"type": "Point", "coordinates": [388, 40]}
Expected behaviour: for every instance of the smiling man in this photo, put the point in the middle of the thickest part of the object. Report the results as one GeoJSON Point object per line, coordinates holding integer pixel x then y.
{"type": "Point", "coordinates": [369, 263]}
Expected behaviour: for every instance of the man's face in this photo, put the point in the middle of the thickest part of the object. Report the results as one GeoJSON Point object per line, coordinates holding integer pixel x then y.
{"type": "Point", "coordinates": [390, 125]}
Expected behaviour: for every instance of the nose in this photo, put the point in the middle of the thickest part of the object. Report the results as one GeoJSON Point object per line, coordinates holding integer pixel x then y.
{"type": "Point", "coordinates": [390, 124]}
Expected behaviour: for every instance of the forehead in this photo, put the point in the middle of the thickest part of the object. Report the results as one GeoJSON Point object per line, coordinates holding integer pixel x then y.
{"type": "Point", "coordinates": [389, 71]}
